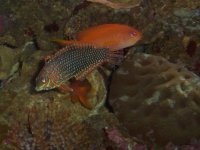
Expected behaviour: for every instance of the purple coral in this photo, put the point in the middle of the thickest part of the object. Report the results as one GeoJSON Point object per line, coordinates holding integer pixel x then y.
{"type": "Point", "coordinates": [195, 145]}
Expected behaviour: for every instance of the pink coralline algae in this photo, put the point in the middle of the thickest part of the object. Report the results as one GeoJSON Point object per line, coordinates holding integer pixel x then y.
{"type": "Point", "coordinates": [123, 143]}
{"type": "Point", "coordinates": [194, 145]}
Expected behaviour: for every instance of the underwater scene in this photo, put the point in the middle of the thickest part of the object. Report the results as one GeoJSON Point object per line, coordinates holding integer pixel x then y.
{"type": "Point", "coordinates": [99, 74]}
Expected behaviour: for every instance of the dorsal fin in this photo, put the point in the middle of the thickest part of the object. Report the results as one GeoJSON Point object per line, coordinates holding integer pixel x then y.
{"type": "Point", "coordinates": [81, 76]}
{"type": "Point", "coordinates": [69, 47]}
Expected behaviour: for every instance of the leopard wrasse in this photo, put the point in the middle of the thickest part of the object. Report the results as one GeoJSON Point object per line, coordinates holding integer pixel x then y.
{"type": "Point", "coordinates": [74, 61]}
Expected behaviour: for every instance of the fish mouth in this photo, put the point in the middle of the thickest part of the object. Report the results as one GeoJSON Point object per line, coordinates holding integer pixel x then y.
{"type": "Point", "coordinates": [38, 89]}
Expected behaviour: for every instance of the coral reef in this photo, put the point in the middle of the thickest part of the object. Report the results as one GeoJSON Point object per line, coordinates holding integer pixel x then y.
{"type": "Point", "coordinates": [122, 142]}
{"type": "Point", "coordinates": [48, 126]}
{"type": "Point", "coordinates": [15, 100]}
{"type": "Point", "coordinates": [41, 20]}
{"type": "Point", "coordinates": [156, 99]}
{"type": "Point", "coordinates": [170, 29]}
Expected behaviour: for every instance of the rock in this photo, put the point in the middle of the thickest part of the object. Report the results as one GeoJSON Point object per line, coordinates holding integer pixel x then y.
{"type": "Point", "coordinates": [118, 4]}
{"type": "Point", "coordinates": [7, 39]}
{"type": "Point", "coordinates": [157, 99]}
{"type": "Point", "coordinates": [185, 13]}
{"type": "Point", "coordinates": [30, 21]}
{"type": "Point", "coordinates": [1, 24]}
{"type": "Point", "coordinates": [27, 50]}
{"type": "Point", "coordinates": [8, 62]}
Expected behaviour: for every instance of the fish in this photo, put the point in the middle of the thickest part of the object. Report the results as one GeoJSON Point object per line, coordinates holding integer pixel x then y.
{"type": "Point", "coordinates": [75, 61]}
{"type": "Point", "coordinates": [80, 92]}
{"type": "Point", "coordinates": [112, 36]}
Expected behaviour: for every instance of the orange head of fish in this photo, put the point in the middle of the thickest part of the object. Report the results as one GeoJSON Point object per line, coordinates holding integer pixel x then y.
{"type": "Point", "coordinates": [128, 37]}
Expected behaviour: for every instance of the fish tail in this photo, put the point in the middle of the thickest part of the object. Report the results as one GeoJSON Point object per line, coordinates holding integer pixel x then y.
{"type": "Point", "coordinates": [115, 57]}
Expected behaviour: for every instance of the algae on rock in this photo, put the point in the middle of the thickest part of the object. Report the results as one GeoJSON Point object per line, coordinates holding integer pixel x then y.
{"type": "Point", "coordinates": [8, 62]}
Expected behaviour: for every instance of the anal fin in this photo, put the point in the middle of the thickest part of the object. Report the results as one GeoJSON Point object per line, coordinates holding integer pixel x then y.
{"type": "Point", "coordinates": [81, 90]}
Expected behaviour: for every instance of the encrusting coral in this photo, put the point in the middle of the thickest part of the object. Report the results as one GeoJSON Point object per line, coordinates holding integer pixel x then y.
{"type": "Point", "coordinates": [156, 98]}
{"type": "Point", "coordinates": [47, 126]}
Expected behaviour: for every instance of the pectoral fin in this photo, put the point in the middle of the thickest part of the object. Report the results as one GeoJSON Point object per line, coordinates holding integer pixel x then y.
{"type": "Point", "coordinates": [64, 88]}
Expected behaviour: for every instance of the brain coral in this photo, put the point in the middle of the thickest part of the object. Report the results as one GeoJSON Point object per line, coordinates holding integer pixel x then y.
{"type": "Point", "coordinates": [157, 99]}
{"type": "Point", "coordinates": [48, 127]}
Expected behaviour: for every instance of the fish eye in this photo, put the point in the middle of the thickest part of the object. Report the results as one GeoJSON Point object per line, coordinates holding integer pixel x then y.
{"type": "Point", "coordinates": [43, 80]}
{"type": "Point", "coordinates": [133, 34]}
